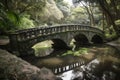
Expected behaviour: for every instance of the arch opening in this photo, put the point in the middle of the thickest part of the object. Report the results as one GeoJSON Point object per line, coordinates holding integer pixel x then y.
{"type": "Point", "coordinates": [59, 44]}
{"type": "Point", "coordinates": [80, 40]}
{"type": "Point", "coordinates": [49, 47]}
{"type": "Point", "coordinates": [96, 39]}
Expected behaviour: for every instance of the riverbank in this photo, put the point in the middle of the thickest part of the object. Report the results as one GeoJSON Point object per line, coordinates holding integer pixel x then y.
{"type": "Point", "coordinates": [54, 62]}
{"type": "Point", "coordinates": [94, 52]}
{"type": "Point", "coordinates": [105, 66]}
{"type": "Point", "coordinates": [115, 43]}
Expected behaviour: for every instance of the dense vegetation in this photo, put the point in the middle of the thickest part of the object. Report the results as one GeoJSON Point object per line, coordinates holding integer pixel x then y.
{"type": "Point", "coordinates": [19, 14]}
{"type": "Point", "coordinates": [23, 14]}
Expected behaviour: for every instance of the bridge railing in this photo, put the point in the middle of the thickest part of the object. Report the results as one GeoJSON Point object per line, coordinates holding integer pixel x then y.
{"type": "Point", "coordinates": [26, 34]}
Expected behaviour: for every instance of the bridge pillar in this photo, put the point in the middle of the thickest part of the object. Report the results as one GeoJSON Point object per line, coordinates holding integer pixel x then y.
{"type": "Point", "coordinates": [14, 43]}
{"type": "Point", "coordinates": [80, 40]}
{"type": "Point", "coordinates": [89, 36]}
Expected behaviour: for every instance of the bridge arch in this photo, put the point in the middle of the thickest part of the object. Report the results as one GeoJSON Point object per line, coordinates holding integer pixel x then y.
{"type": "Point", "coordinates": [81, 39]}
{"type": "Point", "coordinates": [60, 39]}
{"type": "Point", "coordinates": [97, 39]}
{"type": "Point", "coordinates": [56, 44]}
{"type": "Point", "coordinates": [59, 44]}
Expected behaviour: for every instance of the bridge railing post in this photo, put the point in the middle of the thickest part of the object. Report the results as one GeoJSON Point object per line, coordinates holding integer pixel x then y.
{"type": "Point", "coordinates": [46, 31]}
{"type": "Point", "coordinates": [64, 28]}
{"type": "Point", "coordinates": [79, 27]}
{"type": "Point", "coordinates": [53, 30]}
{"type": "Point", "coordinates": [50, 29]}
{"type": "Point", "coordinates": [59, 29]}
{"type": "Point", "coordinates": [37, 32]}
{"type": "Point", "coordinates": [74, 27]}
{"type": "Point", "coordinates": [70, 28]}
{"type": "Point", "coordinates": [42, 31]}
{"type": "Point", "coordinates": [56, 29]}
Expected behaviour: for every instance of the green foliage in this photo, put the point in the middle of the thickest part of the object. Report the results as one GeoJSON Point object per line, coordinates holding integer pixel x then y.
{"type": "Point", "coordinates": [8, 19]}
{"type": "Point", "coordinates": [77, 53]}
{"type": "Point", "coordinates": [39, 51]}
{"type": "Point", "coordinates": [110, 8]}
{"type": "Point", "coordinates": [25, 22]}
{"type": "Point", "coordinates": [57, 1]}
{"type": "Point", "coordinates": [117, 22]}
{"type": "Point", "coordinates": [12, 14]}
{"type": "Point", "coordinates": [110, 36]}
{"type": "Point", "coordinates": [78, 15]}
{"type": "Point", "coordinates": [79, 10]}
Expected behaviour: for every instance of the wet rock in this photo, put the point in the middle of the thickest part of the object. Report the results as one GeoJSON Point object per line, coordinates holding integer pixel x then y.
{"type": "Point", "coordinates": [47, 74]}
{"type": "Point", "coordinates": [14, 68]}
{"type": "Point", "coordinates": [58, 78]}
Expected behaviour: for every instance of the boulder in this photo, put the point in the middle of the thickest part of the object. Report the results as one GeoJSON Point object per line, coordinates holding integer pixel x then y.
{"type": "Point", "coordinates": [14, 68]}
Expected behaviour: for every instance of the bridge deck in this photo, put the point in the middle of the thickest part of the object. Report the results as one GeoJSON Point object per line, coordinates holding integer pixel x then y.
{"type": "Point", "coordinates": [35, 32]}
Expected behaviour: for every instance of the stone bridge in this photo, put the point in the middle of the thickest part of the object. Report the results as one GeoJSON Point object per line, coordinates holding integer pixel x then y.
{"type": "Point", "coordinates": [22, 41]}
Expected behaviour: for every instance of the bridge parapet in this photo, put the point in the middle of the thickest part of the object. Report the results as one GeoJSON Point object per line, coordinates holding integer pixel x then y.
{"type": "Point", "coordinates": [26, 34]}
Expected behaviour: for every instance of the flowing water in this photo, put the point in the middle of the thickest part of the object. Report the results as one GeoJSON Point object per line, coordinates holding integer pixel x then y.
{"type": "Point", "coordinates": [103, 63]}
{"type": "Point", "coordinates": [106, 66]}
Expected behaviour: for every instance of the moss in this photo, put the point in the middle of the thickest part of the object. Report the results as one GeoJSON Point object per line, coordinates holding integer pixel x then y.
{"type": "Point", "coordinates": [77, 53]}
{"type": "Point", "coordinates": [117, 22]}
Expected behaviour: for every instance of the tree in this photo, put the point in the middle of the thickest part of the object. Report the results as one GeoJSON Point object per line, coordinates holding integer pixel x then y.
{"type": "Point", "coordinates": [89, 7]}
{"type": "Point", "coordinates": [111, 10]}
{"type": "Point", "coordinates": [8, 18]}
{"type": "Point", "coordinates": [77, 16]}
{"type": "Point", "coordinates": [24, 14]}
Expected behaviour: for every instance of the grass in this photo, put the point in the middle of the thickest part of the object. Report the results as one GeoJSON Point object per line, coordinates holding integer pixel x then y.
{"type": "Point", "coordinates": [77, 53]}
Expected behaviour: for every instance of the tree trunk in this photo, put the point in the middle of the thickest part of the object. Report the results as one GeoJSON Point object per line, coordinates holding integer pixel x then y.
{"type": "Point", "coordinates": [90, 13]}
{"type": "Point", "coordinates": [110, 16]}
{"type": "Point", "coordinates": [14, 68]}
{"type": "Point", "coordinates": [103, 23]}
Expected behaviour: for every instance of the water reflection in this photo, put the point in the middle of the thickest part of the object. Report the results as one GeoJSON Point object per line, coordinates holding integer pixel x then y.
{"type": "Point", "coordinates": [102, 62]}
{"type": "Point", "coordinates": [43, 48]}
{"type": "Point", "coordinates": [41, 52]}
{"type": "Point", "coordinates": [106, 66]}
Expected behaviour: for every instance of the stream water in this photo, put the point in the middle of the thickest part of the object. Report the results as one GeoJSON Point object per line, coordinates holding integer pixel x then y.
{"type": "Point", "coordinates": [104, 66]}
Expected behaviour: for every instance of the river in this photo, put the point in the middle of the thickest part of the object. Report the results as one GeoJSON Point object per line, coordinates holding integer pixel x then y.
{"type": "Point", "coordinates": [106, 66]}
{"type": "Point", "coordinates": [99, 62]}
